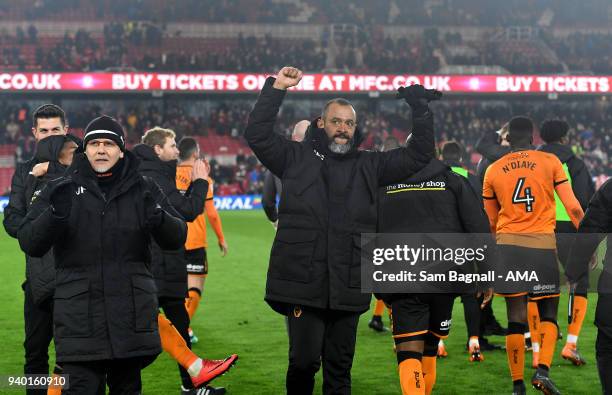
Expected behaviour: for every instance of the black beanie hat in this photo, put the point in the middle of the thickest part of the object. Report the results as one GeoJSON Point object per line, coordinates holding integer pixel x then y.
{"type": "Point", "coordinates": [104, 127]}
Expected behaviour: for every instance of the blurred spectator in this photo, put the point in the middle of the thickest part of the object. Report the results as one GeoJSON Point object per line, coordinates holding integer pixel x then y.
{"type": "Point", "coordinates": [20, 35]}
{"type": "Point", "coordinates": [12, 131]}
{"type": "Point", "coordinates": [32, 34]}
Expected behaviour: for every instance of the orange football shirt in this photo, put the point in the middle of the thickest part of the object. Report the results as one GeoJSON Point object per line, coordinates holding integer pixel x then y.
{"type": "Point", "coordinates": [523, 183]}
{"type": "Point", "coordinates": [196, 230]}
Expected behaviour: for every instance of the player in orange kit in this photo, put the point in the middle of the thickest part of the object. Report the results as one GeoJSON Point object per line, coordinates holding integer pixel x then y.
{"type": "Point", "coordinates": [196, 244]}
{"type": "Point", "coordinates": [519, 198]}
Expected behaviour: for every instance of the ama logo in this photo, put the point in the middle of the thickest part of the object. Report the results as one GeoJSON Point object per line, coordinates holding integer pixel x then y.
{"type": "Point", "coordinates": [238, 202]}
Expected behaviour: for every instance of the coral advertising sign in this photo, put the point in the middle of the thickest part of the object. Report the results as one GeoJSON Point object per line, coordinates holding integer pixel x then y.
{"type": "Point", "coordinates": [315, 83]}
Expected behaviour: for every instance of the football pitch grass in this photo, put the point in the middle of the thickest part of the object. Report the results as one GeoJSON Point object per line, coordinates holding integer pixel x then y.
{"type": "Point", "coordinates": [233, 318]}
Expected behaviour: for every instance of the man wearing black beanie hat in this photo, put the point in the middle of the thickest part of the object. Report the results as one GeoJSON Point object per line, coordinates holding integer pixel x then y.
{"type": "Point", "coordinates": [554, 133]}
{"type": "Point", "coordinates": [107, 162]}
{"type": "Point", "coordinates": [100, 218]}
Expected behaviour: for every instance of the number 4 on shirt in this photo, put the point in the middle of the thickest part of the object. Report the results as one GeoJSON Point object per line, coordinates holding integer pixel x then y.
{"type": "Point", "coordinates": [526, 199]}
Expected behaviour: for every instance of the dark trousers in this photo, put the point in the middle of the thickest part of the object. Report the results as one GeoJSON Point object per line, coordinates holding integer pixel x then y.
{"type": "Point", "coordinates": [87, 378]}
{"type": "Point", "coordinates": [38, 321]}
{"type": "Point", "coordinates": [603, 350]}
{"type": "Point", "coordinates": [471, 312]}
{"type": "Point", "coordinates": [317, 336]}
{"type": "Point", "coordinates": [486, 315]}
{"type": "Point", "coordinates": [564, 243]}
{"type": "Point", "coordinates": [175, 311]}
{"type": "Point", "coordinates": [603, 345]}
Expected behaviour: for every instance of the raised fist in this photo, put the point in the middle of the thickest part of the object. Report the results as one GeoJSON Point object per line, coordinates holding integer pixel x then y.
{"type": "Point", "coordinates": [287, 77]}
{"type": "Point", "coordinates": [417, 94]}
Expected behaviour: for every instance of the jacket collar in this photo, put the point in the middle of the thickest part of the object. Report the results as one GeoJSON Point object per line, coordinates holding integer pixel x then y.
{"type": "Point", "coordinates": [452, 163]}
{"type": "Point", "coordinates": [432, 169]}
{"type": "Point", "coordinates": [563, 152]}
{"type": "Point", "coordinates": [83, 174]}
{"type": "Point", "coordinates": [318, 139]}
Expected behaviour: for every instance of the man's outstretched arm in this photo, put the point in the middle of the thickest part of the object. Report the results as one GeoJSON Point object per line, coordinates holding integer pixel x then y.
{"type": "Point", "coordinates": [271, 149]}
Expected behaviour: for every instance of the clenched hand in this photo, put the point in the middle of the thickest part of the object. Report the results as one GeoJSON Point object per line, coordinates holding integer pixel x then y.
{"type": "Point", "coordinates": [287, 77]}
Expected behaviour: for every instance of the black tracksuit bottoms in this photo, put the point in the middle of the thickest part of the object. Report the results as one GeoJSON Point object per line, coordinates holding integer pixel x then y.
{"type": "Point", "coordinates": [38, 320]}
{"type": "Point", "coordinates": [89, 377]}
{"type": "Point", "coordinates": [320, 336]}
{"type": "Point", "coordinates": [603, 345]}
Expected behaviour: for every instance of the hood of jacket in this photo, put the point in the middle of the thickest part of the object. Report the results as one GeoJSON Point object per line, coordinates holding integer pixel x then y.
{"type": "Point", "coordinates": [49, 148]}
{"type": "Point", "coordinates": [434, 168]}
{"type": "Point", "coordinates": [149, 161]}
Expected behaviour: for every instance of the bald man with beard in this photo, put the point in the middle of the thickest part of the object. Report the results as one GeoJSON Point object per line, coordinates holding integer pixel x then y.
{"type": "Point", "coordinates": [328, 200]}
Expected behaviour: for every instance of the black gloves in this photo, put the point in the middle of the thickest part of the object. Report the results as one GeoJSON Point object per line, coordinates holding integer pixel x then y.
{"type": "Point", "coordinates": [61, 198]}
{"type": "Point", "coordinates": [154, 215]}
{"type": "Point", "coordinates": [417, 94]}
{"type": "Point", "coordinates": [417, 98]}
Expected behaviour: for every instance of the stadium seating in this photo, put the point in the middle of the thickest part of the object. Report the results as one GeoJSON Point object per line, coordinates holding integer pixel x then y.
{"type": "Point", "coordinates": [545, 49]}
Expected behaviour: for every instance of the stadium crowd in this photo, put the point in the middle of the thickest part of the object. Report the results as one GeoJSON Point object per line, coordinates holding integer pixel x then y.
{"type": "Point", "coordinates": [578, 50]}
{"type": "Point", "coordinates": [464, 121]}
{"type": "Point", "coordinates": [366, 51]}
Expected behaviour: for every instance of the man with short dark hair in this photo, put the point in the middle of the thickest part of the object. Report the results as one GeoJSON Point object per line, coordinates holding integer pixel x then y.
{"type": "Point", "coordinates": [100, 218]}
{"type": "Point", "coordinates": [328, 199]}
{"type": "Point", "coordinates": [519, 199]}
{"type": "Point", "coordinates": [452, 155]}
{"type": "Point", "coordinates": [47, 120]}
{"type": "Point", "coordinates": [554, 133]}
{"type": "Point", "coordinates": [196, 254]}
